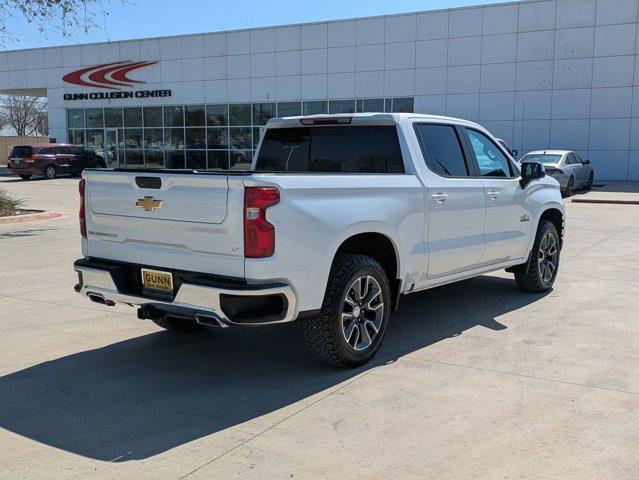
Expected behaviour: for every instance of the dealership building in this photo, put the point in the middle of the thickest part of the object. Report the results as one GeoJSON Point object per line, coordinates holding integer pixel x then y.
{"type": "Point", "coordinates": [539, 74]}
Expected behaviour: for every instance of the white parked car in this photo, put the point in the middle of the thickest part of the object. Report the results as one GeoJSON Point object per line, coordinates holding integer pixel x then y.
{"type": "Point", "coordinates": [566, 166]}
{"type": "Point", "coordinates": [339, 217]}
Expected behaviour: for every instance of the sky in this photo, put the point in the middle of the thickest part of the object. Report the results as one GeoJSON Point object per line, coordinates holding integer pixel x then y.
{"type": "Point", "coordinates": [155, 18]}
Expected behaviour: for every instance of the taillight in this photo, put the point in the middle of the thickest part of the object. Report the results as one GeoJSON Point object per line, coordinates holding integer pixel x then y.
{"type": "Point", "coordinates": [82, 215]}
{"type": "Point", "coordinates": [553, 171]}
{"type": "Point", "coordinates": [259, 234]}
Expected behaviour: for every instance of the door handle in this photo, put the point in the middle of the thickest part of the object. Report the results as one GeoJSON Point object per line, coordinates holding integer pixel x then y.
{"type": "Point", "coordinates": [493, 194]}
{"type": "Point", "coordinates": [440, 198]}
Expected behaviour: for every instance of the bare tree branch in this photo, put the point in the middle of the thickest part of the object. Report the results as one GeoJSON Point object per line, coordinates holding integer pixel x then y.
{"type": "Point", "coordinates": [52, 16]}
{"type": "Point", "coordinates": [26, 115]}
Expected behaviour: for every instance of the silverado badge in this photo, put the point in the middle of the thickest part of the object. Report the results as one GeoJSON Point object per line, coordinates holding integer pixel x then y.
{"type": "Point", "coordinates": [149, 204]}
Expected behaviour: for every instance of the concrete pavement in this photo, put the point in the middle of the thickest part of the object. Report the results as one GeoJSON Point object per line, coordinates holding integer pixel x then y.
{"type": "Point", "coordinates": [475, 379]}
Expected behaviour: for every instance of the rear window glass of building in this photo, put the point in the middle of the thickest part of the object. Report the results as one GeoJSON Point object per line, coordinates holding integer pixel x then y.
{"type": "Point", "coordinates": [340, 149]}
{"type": "Point", "coordinates": [541, 158]}
{"type": "Point", "coordinates": [21, 152]}
{"type": "Point", "coordinates": [442, 150]}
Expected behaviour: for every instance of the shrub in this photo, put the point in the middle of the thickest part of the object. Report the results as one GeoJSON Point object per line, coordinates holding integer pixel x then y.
{"type": "Point", "coordinates": [9, 204]}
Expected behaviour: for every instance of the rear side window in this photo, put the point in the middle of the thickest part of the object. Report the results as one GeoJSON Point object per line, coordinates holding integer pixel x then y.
{"type": "Point", "coordinates": [47, 151]}
{"type": "Point", "coordinates": [340, 149]}
{"type": "Point", "coordinates": [77, 150]}
{"type": "Point", "coordinates": [442, 150]}
{"type": "Point", "coordinates": [21, 152]}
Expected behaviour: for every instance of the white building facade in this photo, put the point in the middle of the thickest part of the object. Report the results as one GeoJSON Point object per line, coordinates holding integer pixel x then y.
{"type": "Point", "coordinates": [540, 74]}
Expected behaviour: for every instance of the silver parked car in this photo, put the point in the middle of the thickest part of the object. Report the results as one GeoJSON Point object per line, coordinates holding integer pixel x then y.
{"type": "Point", "coordinates": [567, 167]}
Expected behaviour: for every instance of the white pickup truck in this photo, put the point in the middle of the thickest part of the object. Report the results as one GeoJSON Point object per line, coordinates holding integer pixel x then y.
{"type": "Point", "coordinates": [338, 217]}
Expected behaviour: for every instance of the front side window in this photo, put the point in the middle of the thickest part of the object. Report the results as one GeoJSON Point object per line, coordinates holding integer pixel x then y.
{"type": "Point", "coordinates": [492, 162]}
{"type": "Point", "coordinates": [346, 149]}
{"type": "Point", "coordinates": [442, 150]}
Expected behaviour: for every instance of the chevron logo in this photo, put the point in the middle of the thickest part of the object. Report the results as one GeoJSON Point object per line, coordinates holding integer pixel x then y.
{"type": "Point", "coordinates": [108, 75]}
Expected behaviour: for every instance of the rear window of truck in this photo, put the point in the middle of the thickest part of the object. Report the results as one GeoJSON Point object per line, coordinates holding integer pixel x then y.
{"type": "Point", "coordinates": [21, 152]}
{"type": "Point", "coordinates": [335, 149]}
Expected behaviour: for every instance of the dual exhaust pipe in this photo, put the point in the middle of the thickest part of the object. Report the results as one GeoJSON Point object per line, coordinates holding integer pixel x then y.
{"type": "Point", "coordinates": [149, 312]}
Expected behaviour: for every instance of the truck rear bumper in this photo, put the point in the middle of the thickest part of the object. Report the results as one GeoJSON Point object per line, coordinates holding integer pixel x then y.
{"type": "Point", "coordinates": [237, 305]}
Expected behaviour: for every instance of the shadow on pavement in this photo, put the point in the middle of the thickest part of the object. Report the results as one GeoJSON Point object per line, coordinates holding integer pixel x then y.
{"type": "Point", "coordinates": [140, 397]}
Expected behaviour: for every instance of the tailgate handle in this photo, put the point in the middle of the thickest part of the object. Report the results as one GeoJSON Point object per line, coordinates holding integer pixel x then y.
{"type": "Point", "coordinates": [149, 182]}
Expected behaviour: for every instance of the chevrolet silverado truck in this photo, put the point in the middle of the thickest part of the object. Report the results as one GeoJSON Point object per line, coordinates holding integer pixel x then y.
{"type": "Point", "coordinates": [338, 217]}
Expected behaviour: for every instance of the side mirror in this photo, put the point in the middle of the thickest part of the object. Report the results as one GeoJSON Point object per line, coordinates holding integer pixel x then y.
{"type": "Point", "coordinates": [531, 171]}
{"type": "Point", "coordinates": [514, 153]}
{"type": "Point", "coordinates": [586, 162]}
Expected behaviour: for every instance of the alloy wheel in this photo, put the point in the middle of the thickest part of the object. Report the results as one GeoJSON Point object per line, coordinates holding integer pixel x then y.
{"type": "Point", "coordinates": [362, 312]}
{"type": "Point", "coordinates": [49, 172]}
{"type": "Point", "coordinates": [548, 257]}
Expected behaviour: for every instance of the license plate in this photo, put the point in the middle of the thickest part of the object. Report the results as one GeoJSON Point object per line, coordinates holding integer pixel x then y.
{"type": "Point", "coordinates": [157, 280]}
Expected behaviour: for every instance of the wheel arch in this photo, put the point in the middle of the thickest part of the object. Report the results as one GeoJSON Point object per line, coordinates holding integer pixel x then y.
{"type": "Point", "coordinates": [381, 248]}
{"type": "Point", "coordinates": [556, 216]}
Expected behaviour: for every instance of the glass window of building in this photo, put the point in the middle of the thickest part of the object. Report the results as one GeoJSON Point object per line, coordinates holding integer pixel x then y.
{"type": "Point", "coordinates": [403, 105]}
{"type": "Point", "coordinates": [94, 141]}
{"type": "Point", "coordinates": [194, 116]}
{"type": "Point", "coordinates": [113, 117]}
{"type": "Point", "coordinates": [94, 118]}
{"type": "Point", "coordinates": [315, 108]}
{"type": "Point", "coordinates": [218, 160]}
{"type": "Point", "coordinates": [132, 116]}
{"type": "Point", "coordinates": [341, 106]}
{"type": "Point", "coordinates": [174, 159]}
{"type": "Point", "coordinates": [134, 158]}
{"type": "Point", "coordinates": [289, 109]}
{"type": "Point", "coordinates": [174, 138]}
{"type": "Point", "coordinates": [133, 138]}
{"type": "Point", "coordinates": [173, 116]}
{"type": "Point", "coordinates": [152, 117]}
{"type": "Point", "coordinates": [217, 115]}
{"type": "Point", "coordinates": [217, 138]}
{"type": "Point", "coordinates": [241, 138]}
{"type": "Point", "coordinates": [196, 159]}
{"type": "Point", "coordinates": [370, 105]}
{"type": "Point", "coordinates": [240, 114]}
{"type": "Point", "coordinates": [75, 118]}
{"type": "Point", "coordinates": [153, 138]}
{"type": "Point", "coordinates": [76, 137]}
{"type": "Point", "coordinates": [263, 112]}
{"type": "Point", "coordinates": [241, 159]}
{"type": "Point", "coordinates": [154, 158]}
{"type": "Point", "coordinates": [195, 138]}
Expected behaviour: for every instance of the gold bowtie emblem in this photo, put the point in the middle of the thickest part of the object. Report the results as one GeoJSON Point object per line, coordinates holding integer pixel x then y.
{"type": "Point", "coordinates": [149, 204]}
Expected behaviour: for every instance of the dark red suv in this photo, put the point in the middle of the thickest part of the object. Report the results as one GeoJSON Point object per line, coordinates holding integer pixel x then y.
{"type": "Point", "coordinates": [51, 159]}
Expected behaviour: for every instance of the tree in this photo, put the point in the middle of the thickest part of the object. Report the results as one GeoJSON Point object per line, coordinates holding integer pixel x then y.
{"type": "Point", "coordinates": [53, 16]}
{"type": "Point", "coordinates": [24, 114]}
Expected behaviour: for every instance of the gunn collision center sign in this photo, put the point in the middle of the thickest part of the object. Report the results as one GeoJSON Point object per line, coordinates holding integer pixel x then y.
{"type": "Point", "coordinates": [110, 76]}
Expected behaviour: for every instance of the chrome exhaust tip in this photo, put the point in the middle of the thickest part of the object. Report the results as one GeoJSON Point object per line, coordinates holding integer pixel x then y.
{"type": "Point", "coordinates": [97, 298]}
{"type": "Point", "coordinates": [210, 320]}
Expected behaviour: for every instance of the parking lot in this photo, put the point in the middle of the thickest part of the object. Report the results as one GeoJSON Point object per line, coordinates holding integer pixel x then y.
{"type": "Point", "coordinates": [475, 380]}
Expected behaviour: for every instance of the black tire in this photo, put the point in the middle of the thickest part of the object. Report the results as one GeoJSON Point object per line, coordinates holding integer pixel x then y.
{"type": "Point", "coordinates": [533, 280]}
{"type": "Point", "coordinates": [325, 333]}
{"type": "Point", "coordinates": [25, 177]}
{"type": "Point", "coordinates": [174, 324]}
{"type": "Point", "coordinates": [591, 180]}
{"type": "Point", "coordinates": [570, 188]}
{"type": "Point", "coordinates": [50, 172]}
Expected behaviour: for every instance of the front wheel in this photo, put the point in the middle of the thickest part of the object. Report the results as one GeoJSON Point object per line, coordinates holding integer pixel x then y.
{"type": "Point", "coordinates": [544, 261]}
{"type": "Point", "coordinates": [591, 180]}
{"type": "Point", "coordinates": [352, 322]}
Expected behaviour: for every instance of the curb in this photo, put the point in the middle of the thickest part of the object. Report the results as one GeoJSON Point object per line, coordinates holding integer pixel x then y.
{"type": "Point", "coordinates": [605, 202]}
{"type": "Point", "coordinates": [29, 217]}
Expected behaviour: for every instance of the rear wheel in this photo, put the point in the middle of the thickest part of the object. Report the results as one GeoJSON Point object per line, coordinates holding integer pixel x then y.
{"type": "Point", "coordinates": [591, 180]}
{"type": "Point", "coordinates": [544, 260]}
{"type": "Point", "coordinates": [50, 172]}
{"type": "Point", "coordinates": [178, 324]}
{"type": "Point", "coordinates": [352, 323]}
{"type": "Point", "coordinates": [25, 177]}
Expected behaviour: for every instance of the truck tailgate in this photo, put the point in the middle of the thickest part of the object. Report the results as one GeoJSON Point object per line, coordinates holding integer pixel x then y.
{"type": "Point", "coordinates": [171, 220]}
